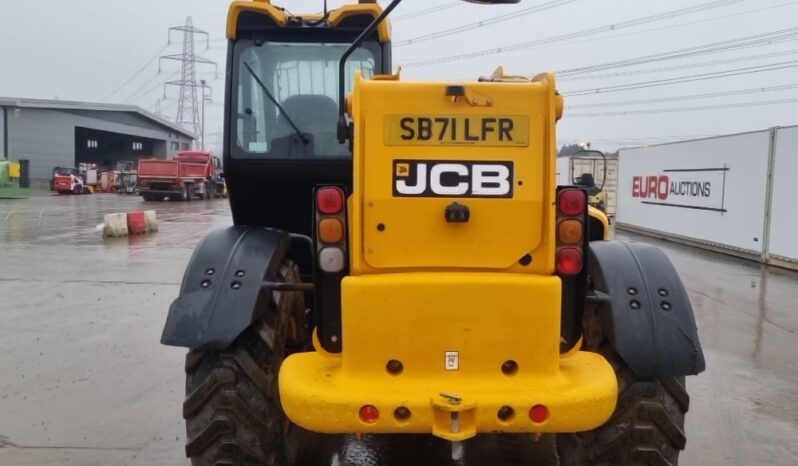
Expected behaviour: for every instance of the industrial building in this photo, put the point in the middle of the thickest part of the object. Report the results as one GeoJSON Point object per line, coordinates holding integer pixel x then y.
{"type": "Point", "coordinates": [51, 133]}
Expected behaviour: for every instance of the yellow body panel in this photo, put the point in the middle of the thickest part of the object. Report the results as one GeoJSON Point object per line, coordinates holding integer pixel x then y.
{"type": "Point", "coordinates": [601, 217]}
{"type": "Point", "coordinates": [415, 235]}
{"type": "Point", "coordinates": [422, 318]}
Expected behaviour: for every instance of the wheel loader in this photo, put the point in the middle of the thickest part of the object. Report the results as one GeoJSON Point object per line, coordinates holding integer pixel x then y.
{"type": "Point", "coordinates": [402, 263]}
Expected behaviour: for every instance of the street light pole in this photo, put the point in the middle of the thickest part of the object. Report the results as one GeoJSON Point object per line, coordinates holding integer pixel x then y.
{"type": "Point", "coordinates": [202, 127]}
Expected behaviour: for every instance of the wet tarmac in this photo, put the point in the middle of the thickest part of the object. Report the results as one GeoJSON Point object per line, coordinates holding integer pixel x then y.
{"type": "Point", "coordinates": [84, 380]}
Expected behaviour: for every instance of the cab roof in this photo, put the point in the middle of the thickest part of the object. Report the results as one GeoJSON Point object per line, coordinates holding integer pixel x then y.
{"type": "Point", "coordinates": [343, 16]}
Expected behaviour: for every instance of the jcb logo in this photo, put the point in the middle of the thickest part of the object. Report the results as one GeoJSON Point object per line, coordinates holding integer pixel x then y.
{"type": "Point", "coordinates": [438, 178]}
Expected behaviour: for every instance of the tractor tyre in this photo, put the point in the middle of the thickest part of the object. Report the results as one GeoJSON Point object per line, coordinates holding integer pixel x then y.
{"type": "Point", "coordinates": [78, 189]}
{"type": "Point", "coordinates": [148, 197]}
{"type": "Point", "coordinates": [208, 191]}
{"type": "Point", "coordinates": [232, 406]}
{"type": "Point", "coordinates": [647, 427]}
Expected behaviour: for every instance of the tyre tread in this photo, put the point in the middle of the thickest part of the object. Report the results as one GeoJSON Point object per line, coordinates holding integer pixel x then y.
{"type": "Point", "coordinates": [647, 427]}
{"type": "Point", "coordinates": [232, 410]}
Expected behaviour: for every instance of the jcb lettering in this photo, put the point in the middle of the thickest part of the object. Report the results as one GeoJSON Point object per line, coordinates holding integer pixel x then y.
{"type": "Point", "coordinates": [452, 179]}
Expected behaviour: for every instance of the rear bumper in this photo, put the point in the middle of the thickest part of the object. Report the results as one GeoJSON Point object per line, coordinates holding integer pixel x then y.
{"type": "Point", "coordinates": [420, 319]}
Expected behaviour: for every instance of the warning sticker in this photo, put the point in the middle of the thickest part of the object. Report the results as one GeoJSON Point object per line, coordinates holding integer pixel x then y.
{"type": "Point", "coordinates": [451, 361]}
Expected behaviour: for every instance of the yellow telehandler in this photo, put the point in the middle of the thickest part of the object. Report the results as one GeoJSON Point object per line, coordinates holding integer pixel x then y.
{"type": "Point", "coordinates": [402, 261]}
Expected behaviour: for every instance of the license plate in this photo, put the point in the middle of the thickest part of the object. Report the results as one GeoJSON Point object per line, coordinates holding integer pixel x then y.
{"type": "Point", "coordinates": [457, 130]}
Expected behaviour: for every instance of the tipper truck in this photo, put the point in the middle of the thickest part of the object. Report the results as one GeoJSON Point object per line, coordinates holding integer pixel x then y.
{"type": "Point", "coordinates": [189, 175]}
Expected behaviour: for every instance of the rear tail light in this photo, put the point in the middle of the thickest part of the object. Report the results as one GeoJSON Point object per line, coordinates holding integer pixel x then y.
{"type": "Point", "coordinates": [369, 414]}
{"type": "Point", "coordinates": [571, 202]}
{"type": "Point", "coordinates": [331, 260]}
{"type": "Point", "coordinates": [331, 265]}
{"type": "Point", "coordinates": [331, 230]}
{"type": "Point", "coordinates": [569, 261]}
{"type": "Point", "coordinates": [570, 231]}
{"type": "Point", "coordinates": [539, 414]}
{"type": "Point", "coordinates": [330, 200]}
{"type": "Point", "coordinates": [571, 214]}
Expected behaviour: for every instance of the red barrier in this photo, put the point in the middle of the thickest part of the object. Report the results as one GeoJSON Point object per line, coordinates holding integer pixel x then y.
{"type": "Point", "coordinates": [136, 223]}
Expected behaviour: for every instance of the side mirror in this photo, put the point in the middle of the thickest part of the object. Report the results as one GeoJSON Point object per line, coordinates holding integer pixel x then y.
{"type": "Point", "coordinates": [587, 179]}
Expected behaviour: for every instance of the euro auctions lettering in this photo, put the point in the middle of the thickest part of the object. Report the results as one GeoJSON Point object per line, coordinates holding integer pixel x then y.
{"type": "Point", "coordinates": [661, 187]}
{"type": "Point", "coordinates": [687, 188]}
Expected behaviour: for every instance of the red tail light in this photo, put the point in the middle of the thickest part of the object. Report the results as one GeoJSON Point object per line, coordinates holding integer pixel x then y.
{"type": "Point", "coordinates": [369, 414]}
{"type": "Point", "coordinates": [330, 200]}
{"type": "Point", "coordinates": [538, 414]}
{"type": "Point", "coordinates": [571, 201]}
{"type": "Point", "coordinates": [569, 261]}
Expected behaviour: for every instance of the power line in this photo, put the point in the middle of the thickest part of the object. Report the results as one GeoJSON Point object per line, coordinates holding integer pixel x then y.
{"type": "Point", "coordinates": [687, 109]}
{"type": "Point", "coordinates": [486, 22]}
{"type": "Point", "coordinates": [708, 95]}
{"type": "Point", "coordinates": [679, 67]}
{"type": "Point", "coordinates": [427, 11]}
{"type": "Point", "coordinates": [135, 74]}
{"type": "Point", "coordinates": [682, 24]}
{"type": "Point", "coordinates": [638, 140]}
{"type": "Point", "coordinates": [686, 79]}
{"type": "Point", "coordinates": [763, 39]}
{"type": "Point", "coordinates": [138, 94]}
{"type": "Point", "coordinates": [575, 35]}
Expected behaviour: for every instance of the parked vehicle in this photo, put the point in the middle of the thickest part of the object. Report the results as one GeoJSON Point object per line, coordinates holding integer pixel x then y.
{"type": "Point", "coordinates": [126, 177]}
{"type": "Point", "coordinates": [68, 180]}
{"type": "Point", "coordinates": [189, 175]}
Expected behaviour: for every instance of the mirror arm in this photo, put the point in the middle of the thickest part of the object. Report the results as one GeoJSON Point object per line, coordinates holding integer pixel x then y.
{"type": "Point", "coordinates": [342, 126]}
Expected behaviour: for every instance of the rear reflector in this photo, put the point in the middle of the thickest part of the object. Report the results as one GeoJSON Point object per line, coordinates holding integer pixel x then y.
{"type": "Point", "coordinates": [538, 414]}
{"type": "Point", "coordinates": [569, 261]}
{"type": "Point", "coordinates": [569, 231]}
{"type": "Point", "coordinates": [369, 414]}
{"type": "Point", "coordinates": [571, 201]}
{"type": "Point", "coordinates": [331, 230]}
{"type": "Point", "coordinates": [330, 200]}
{"type": "Point", "coordinates": [331, 260]}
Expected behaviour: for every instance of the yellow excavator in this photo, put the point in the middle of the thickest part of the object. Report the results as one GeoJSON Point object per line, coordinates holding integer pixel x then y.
{"type": "Point", "coordinates": [402, 261]}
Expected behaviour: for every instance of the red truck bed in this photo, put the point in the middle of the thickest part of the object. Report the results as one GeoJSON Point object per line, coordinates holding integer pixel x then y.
{"type": "Point", "coordinates": [154, 168]}
{"type": "Point", "coordinates": [188, 174]}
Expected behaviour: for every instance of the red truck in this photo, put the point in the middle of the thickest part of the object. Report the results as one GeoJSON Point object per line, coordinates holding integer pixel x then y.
{"type": "Point", "coordinates": [190, 174]}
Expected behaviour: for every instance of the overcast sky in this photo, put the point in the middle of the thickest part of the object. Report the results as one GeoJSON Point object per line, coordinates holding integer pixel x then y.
{"type": "Point", "coordinates": [86, 49]}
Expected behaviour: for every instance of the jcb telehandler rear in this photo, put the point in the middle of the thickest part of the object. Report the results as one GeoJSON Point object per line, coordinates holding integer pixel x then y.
{"type": "Point", "coordinates": [416, 269]}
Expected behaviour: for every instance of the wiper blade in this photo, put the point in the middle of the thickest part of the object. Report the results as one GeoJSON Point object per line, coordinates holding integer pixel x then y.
{"type": "Point", "coordinates": [302, 137]}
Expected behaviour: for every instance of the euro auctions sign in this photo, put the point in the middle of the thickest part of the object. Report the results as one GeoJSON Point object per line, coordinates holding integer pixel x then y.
{"type": "Point", "coordinates": [684, 188]}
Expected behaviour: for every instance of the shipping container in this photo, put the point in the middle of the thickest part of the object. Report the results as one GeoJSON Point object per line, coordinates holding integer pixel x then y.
{"type": "Point", "coordinates": [730, 193]}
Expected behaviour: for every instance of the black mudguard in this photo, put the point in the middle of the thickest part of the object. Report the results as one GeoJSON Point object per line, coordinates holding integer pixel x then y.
{"type": "Point", "coordinates": [645, 310]}
{"type": "Point", "coordinates": [222, 291]}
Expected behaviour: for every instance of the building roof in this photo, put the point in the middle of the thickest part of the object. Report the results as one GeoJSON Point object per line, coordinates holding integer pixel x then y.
{"type": "Point", "coordinates": [91, 106]}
